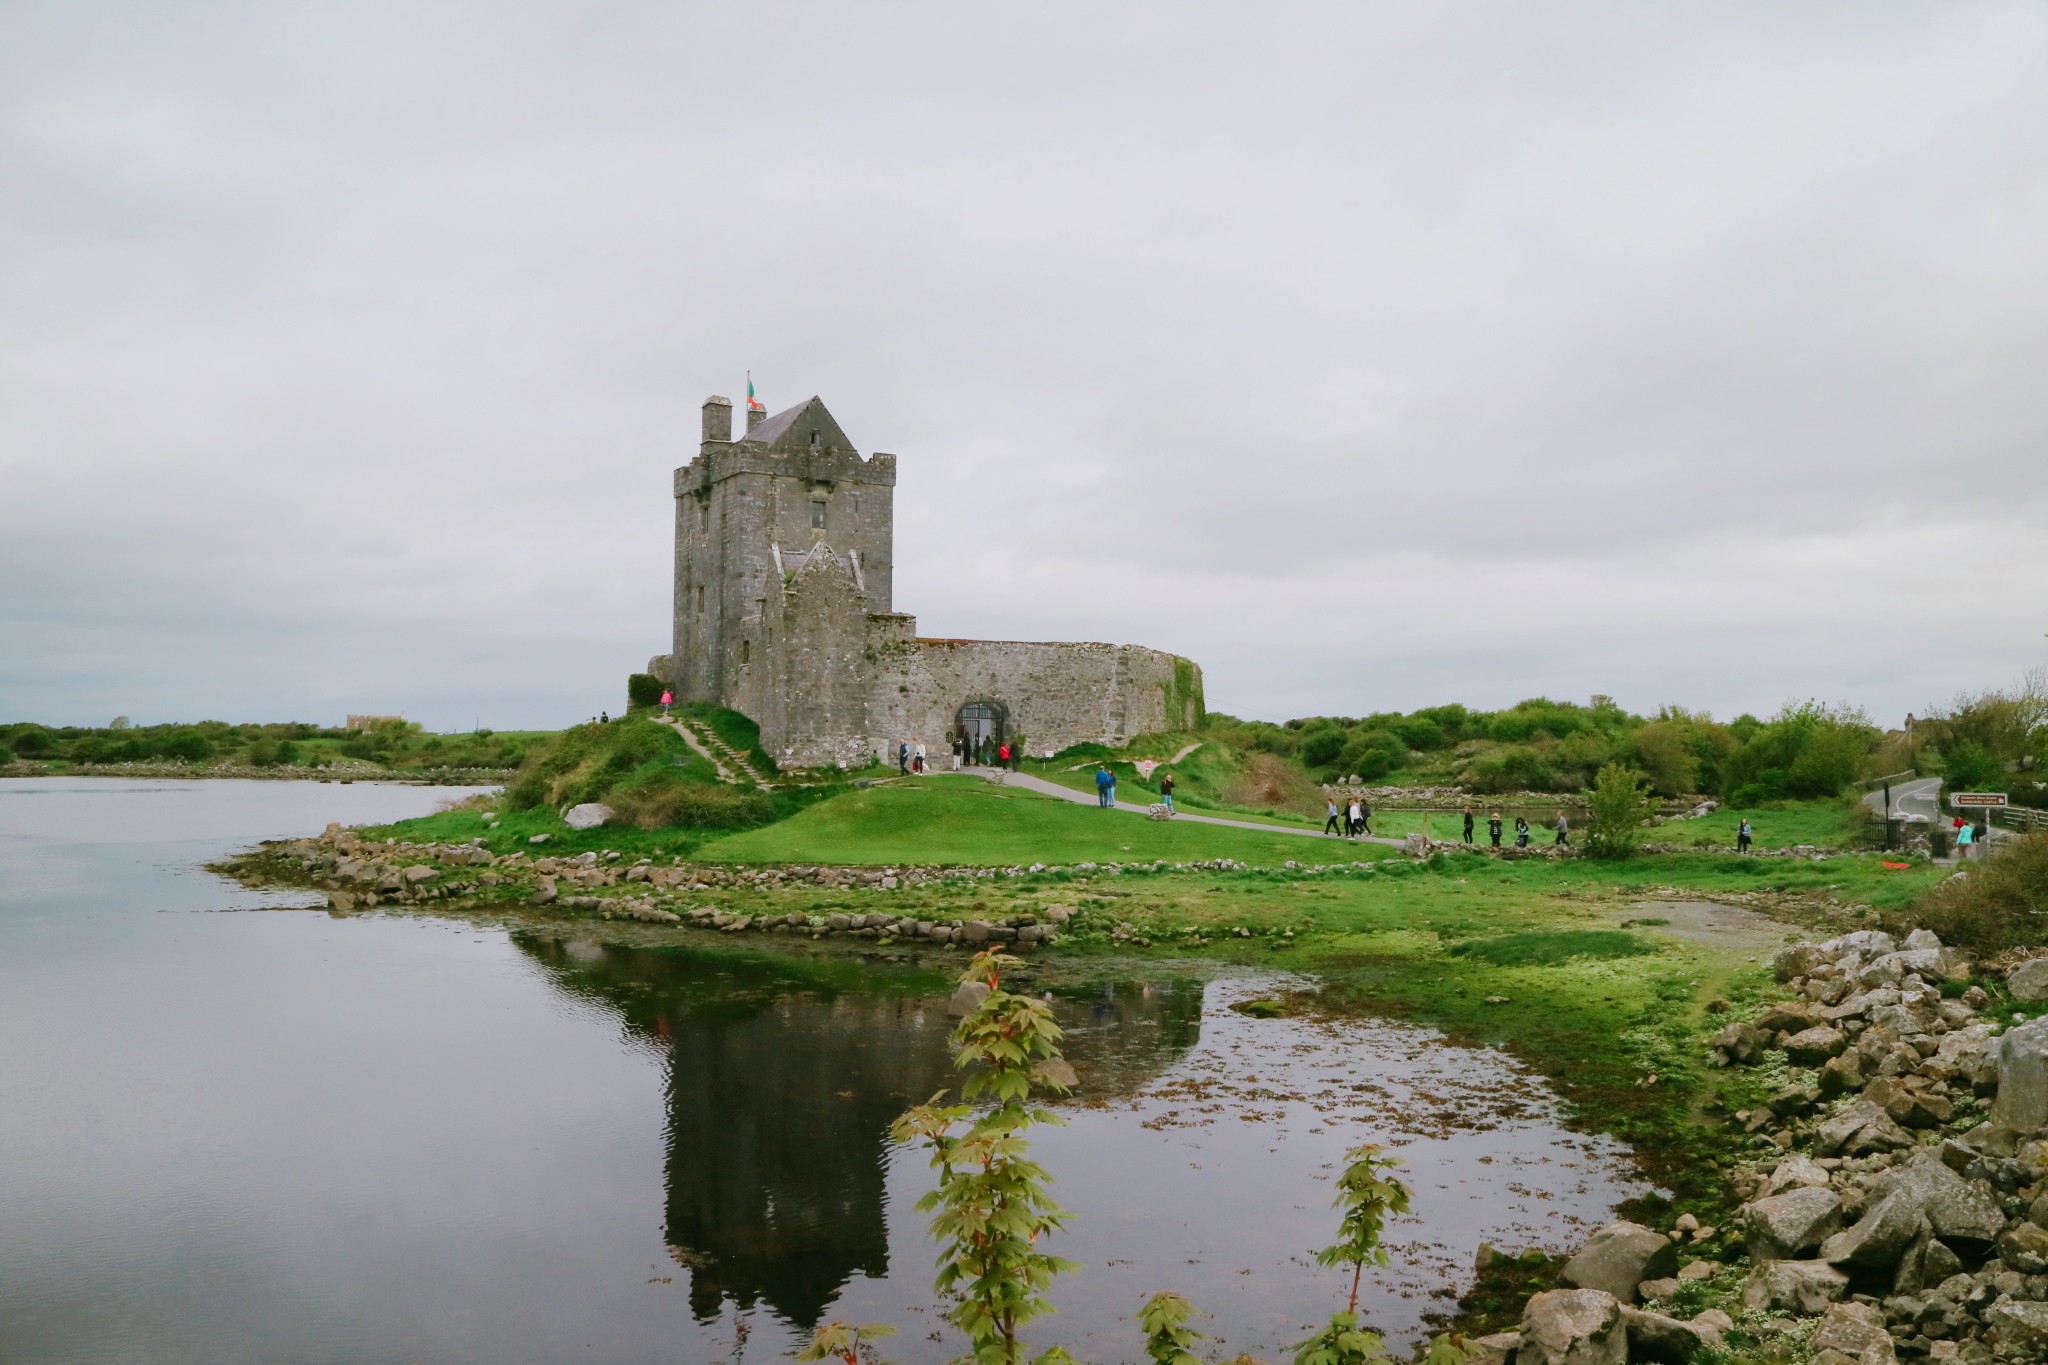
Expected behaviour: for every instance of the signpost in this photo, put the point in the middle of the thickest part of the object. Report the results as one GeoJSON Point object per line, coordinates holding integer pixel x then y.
{"type": "Point", "coordinates": [1976, 800]}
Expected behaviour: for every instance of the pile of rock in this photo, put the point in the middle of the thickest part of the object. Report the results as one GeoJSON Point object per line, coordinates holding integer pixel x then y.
{"type": "Point", "coordinates": [1879, 1207]}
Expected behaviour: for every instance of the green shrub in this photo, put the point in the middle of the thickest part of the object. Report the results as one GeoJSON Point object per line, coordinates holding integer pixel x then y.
{"type": "Point", "coordinates": [264, 753]}
{"type": "Point", "coordinates": [1620, 806]}
{"type": "Point", "coordinates": [2001, 902]}
{"type": "Point", "coordinates": [643, 689]}
{"type": "Point", "coordinates": [1372, 754]}
{"type": "Point", "coordinates": [1320, 746]}
{"type": "Point", "coordinates": [664, 803]}
{"type": "Point", "coordinates": [186, 745]}
{"type": "Point", "coordinates": [1968, 766]}
{"type": "Point", "coordinates": [1806, 750]}
{"type": "Point", "coordinates": [33, 741]}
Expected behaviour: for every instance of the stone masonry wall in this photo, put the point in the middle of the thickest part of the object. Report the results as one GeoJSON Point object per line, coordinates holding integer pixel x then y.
{"type": "Point", "coordinates": [792, 623]}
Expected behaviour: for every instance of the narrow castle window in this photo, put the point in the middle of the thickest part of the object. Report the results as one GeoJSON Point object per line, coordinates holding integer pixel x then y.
{"type": "Point", "coordinates": [856, 502]}
{"type": "Point", "coordinates": [704, 515]}
{"type": "Point", "coordinates": [817, 512]}
{"type": "Point", "coordinates": [700, 600]}
{"type": "Point", "coordinates": [746, 649]}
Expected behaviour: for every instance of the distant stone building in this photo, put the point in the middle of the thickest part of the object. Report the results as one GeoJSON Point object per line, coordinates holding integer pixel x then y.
{"type": "Point", "coordinates": [372, 722]}
{"type": "Point", "coordinates": [785, 555]}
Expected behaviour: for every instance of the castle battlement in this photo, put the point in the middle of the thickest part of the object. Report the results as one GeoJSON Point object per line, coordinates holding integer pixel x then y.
{"type": "Point", "coordinates": [784, 568]}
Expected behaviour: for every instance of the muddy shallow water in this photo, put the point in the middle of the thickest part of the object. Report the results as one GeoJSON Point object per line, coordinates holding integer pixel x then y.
{"type": "Point", "coordinates": [291, 1136]}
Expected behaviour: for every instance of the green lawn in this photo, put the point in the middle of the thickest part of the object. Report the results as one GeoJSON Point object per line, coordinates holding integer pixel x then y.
{"type": "Point", "coordinates": [966, 820]}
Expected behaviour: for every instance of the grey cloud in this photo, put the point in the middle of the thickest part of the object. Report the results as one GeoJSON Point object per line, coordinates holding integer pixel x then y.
{"type": "Point", "coordinates": [1373, 356]}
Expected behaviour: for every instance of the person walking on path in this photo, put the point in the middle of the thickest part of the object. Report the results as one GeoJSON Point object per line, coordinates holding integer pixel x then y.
{"type": "Point", "coordinates": [1493, 828]}
{"type": "Point", "coordinates": [1364, 816]}
{"type": "Point", "coordinates": [1331, 825]}
{"type": "Point", "coordinates": [917, 759]}
{"type": "Point", "coordinates": [1966, 841]}
{"type": "Point", "coordinates": [903, 758]}
{"type": "Point", "coordinates": [1521, 831]}
{"type": "Point", "coordinates": [1468, 825]}
{"type": "Point", "coordinates": [1166, 792]}
{"type": "Point", "coordinates": [1561, 827]}
{"type": "Point", "coordinates": [1017, 754]}
{"type": "Point", "coordinates": [1352, 823]}
{"type": "Point", "coordinates": [957, 746]}
{"type": "Point", "coordinates": [1102, 783]}
{"type": "Point", "coordinates": [667, 699]}
{"type": "Point", "coordinates": [1003, 754]}
{"type": "Point", "coordinates": [1742, 835]}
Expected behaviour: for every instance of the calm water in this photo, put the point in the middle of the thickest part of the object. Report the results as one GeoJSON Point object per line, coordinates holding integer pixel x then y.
{"type": "Point", "coordinates": [235, 1132]}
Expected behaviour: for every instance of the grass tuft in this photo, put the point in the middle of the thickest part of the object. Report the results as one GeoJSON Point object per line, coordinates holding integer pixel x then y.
{"type": "Point", "coordinates": [1553, 947]}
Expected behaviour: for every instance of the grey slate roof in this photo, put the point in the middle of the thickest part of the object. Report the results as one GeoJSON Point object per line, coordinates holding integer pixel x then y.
{"type": "Point", "coordinates": [771, 430]}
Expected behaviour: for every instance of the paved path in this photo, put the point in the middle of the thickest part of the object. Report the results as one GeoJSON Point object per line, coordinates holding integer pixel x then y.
{"type": "Point", "coordinates": [1919, 796]}
{"type": "Point", "coordinates": [1039, 784]}
{"type": "Point", "coordinates": [1920, 799]}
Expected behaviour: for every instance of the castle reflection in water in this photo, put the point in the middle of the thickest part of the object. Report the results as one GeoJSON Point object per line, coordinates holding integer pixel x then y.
{"type": "Point", "coordinates": [783, 1078]}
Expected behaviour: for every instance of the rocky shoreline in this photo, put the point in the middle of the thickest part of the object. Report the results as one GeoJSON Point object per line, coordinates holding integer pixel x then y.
{"type": "Point", "coordinates": [1898, 1206]}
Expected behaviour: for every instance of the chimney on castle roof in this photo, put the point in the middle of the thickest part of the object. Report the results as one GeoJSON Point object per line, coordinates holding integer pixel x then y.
{"type": "Point", "coordinates": [755, 416]}
{"type": "Point", "coordinates": [717, 418]}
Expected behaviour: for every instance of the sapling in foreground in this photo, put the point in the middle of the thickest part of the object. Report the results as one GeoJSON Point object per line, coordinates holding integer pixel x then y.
{"type": "Point", "coordinates": [992, 1201]}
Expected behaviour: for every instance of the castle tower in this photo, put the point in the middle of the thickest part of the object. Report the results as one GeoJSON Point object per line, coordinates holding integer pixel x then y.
{"type": "Point", "coordinates": [748, 513]}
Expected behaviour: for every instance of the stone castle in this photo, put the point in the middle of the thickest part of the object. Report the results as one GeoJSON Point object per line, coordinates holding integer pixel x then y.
{"type": "Point", "coordinates": [785, 552]}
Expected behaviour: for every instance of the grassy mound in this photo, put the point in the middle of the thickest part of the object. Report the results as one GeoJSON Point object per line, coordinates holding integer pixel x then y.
{"type": "Point", "coordinates": [965, 820]}
{"type": "Point", "coordinates": [643, 770]}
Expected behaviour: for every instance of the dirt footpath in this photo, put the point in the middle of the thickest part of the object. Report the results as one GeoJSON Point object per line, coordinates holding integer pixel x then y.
{"type": "Point", "coordinates": [1729, 929]}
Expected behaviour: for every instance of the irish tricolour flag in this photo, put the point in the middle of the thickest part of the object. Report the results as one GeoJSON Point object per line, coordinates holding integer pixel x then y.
{"type": "Point", "coordinates": [753, 403]}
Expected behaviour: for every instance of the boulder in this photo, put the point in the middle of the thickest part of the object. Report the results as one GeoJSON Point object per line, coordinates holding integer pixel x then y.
{"type": "Point", "coordinates": [1620, 1256]}
{"type": "Point", "coordinates": [1856, 1330]}
{"type": "Point", "coordinates": [2022, 1104]}
{"type": "Point", "coordinates": [417, 873]}
{"type": "Point", "coordinates": [545, 892]}
{"type": "Point", "coordinates": [1927, 1262]}
{"type": "Point", "coordinates": [968, 998]}
{"type": "Point", "coordinates": [2028, 982]}
{"type": "Point", "coordinates": [1860, 1128]}
{"type": "Point", "coordinates": [589, 815]}
{"type": "Point", "coordinates": [1919, 1109]}
{"type": "Point", "coordinates": [1802, 1287]}
{"type": "Point", "coordinates": [1956, 1210]}
{"type": "Point", "coordinates": [1812, 1046]}
{"type": "Point", "coordinates": [1573, 1327]}
{"type": "Point", "coordinates": [1781, 1226]}
{"type": "Point", "coordinates": [1796, 1171]}
{"type": "Point", "coordinates": [2022, 1328]}
{"type": "Point", "coordinates": [1880, 1237]}
{"type": "Point", "coordinates": [975, 931]}
{"type": "Point", "coordinates": [2024, 1247]}
{"type": "Point", "coordinates": [1739, 1042]}
{"type": "Point", "coordinates": [1921, 938]}
{"type": "Point", "coordinates": [1841, 1075]}
{"type": "Point", "coordinates": [1797, 960]}
{"type": "Point", "coordinates": [1863, 944]}
{"type": "Point", "coordinates": [1655, 1337]}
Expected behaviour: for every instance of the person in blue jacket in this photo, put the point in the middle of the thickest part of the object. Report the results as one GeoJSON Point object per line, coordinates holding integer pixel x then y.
{"type": "Point", "coordinates": [1105, 787]}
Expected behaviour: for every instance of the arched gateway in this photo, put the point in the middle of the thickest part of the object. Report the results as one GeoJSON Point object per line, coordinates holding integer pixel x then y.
{"type": "Point", "coordinates": [981, 724]}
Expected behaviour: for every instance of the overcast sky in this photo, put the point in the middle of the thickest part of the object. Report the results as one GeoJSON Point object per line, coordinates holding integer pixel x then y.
{"type": "Point", "coordinates": [1373, 355]}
